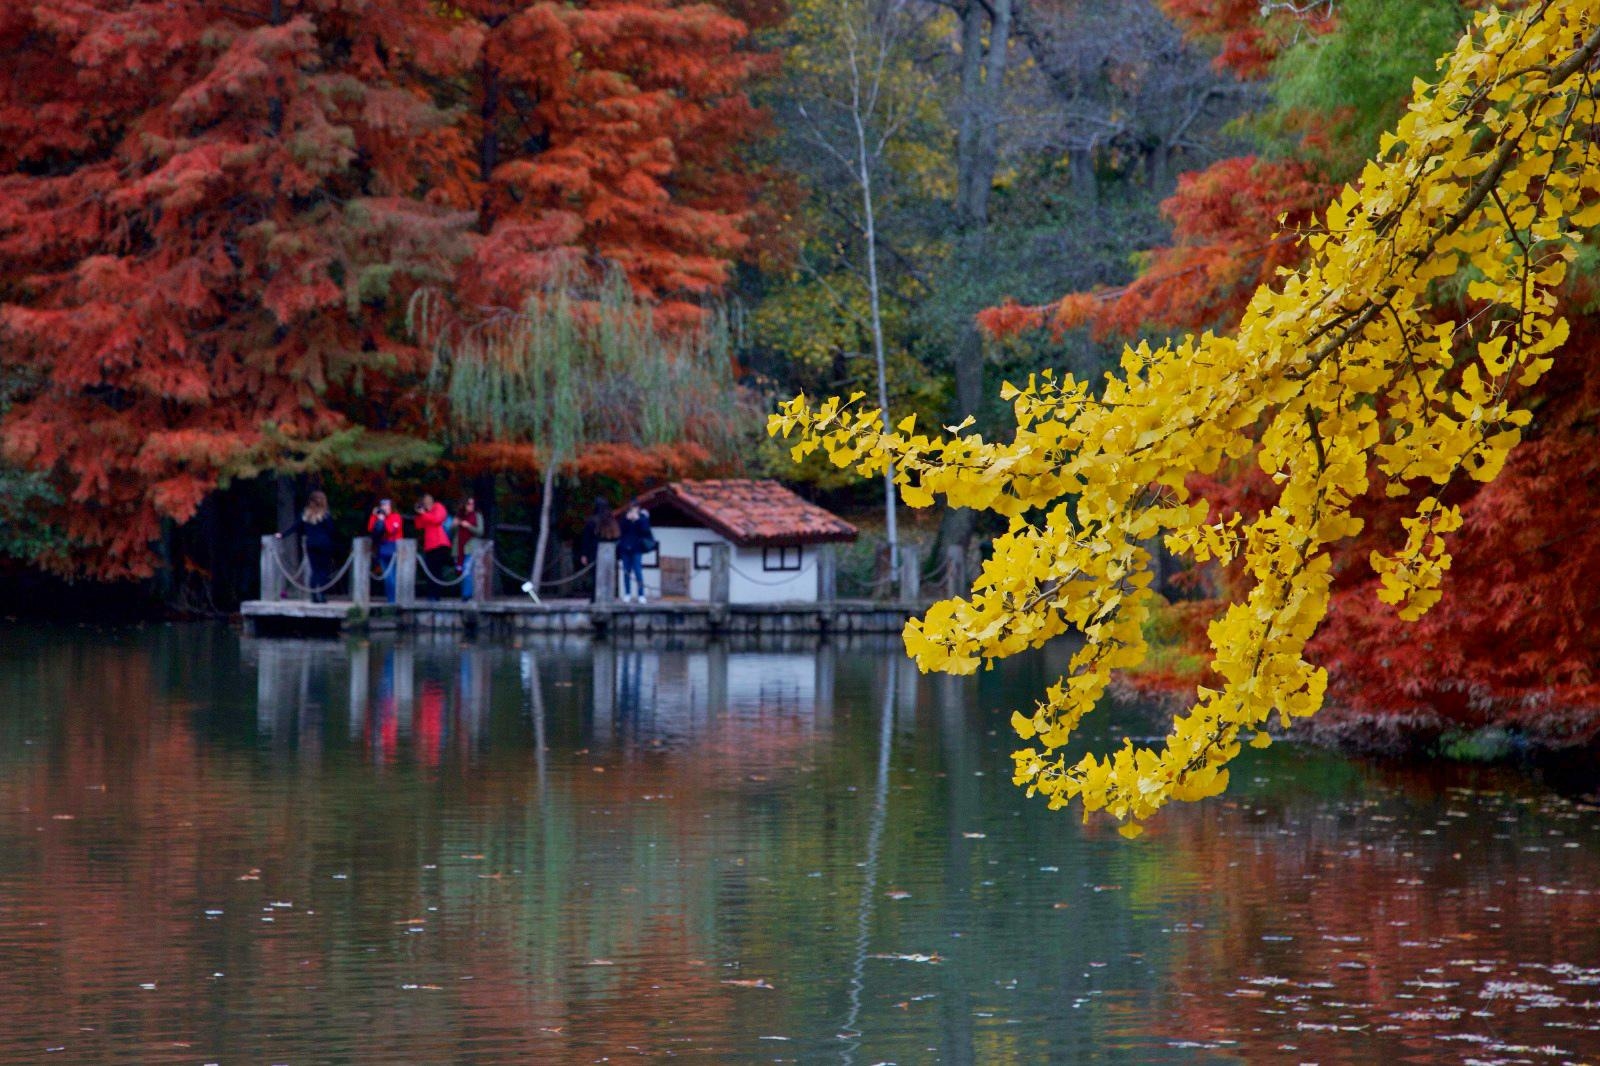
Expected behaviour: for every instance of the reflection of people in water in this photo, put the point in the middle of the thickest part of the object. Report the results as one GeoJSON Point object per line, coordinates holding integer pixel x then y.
{"type": "Point", "coordinates": [428, 729]}
{"type": "Point", "coordinates": [383, 728]}
{"type": "Point", "coordinates": [630, 696]}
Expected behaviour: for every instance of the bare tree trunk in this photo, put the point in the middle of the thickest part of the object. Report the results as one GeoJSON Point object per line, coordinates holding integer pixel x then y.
{"type": "Point", "coordinates": [547, 495]}
{"type": "Point", "coordinates": [875, 301]}
{"type": "Point", "coordinates": [983, 71]}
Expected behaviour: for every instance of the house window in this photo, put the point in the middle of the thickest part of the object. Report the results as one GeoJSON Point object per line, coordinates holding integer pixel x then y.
{"type": "Point", "coordinates": [780, 558]}
{"type": "Point", "coordinates": [702, 554]}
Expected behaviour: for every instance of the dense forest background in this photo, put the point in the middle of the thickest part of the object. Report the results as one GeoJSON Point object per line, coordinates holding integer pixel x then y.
{"type": "Point", "coordinates": [216, 223]}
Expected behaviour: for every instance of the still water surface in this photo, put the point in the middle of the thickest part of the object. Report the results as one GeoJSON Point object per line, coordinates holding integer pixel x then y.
{"type": "Point", "coordinates": [216, 849]}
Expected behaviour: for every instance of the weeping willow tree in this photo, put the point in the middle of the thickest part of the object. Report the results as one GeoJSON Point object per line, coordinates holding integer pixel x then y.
{"type": "Point", "coordinates": [583, 361]}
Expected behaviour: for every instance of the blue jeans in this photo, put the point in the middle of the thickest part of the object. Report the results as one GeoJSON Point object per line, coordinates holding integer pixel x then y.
{"type": "Point", "coordinates": [386, 550]}
{"type": "Point", "coordinates": [466, 576]}
{"type": "Point", "coordinates": [632, 564]}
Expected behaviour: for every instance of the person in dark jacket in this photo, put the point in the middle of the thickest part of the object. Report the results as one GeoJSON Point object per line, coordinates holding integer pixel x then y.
{"type": "Point", "coordinates": [315, 529]}
{"type": "Point", "coordinates": [601, 525]}
{"type": "Point", "coordinates": [634, 541]}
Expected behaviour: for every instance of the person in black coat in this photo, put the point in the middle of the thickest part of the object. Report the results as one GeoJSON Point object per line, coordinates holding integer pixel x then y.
{"type": "Point", "coordinates": [634, 542]}
{"type": "Point", "coordinates": [315, 528]}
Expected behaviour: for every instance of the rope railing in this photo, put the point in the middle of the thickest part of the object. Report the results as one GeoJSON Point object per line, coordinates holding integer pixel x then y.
{"type": "Point", "coordinates": [520, 579]}
{"type": "Point", "coordinates": [524, 579]}
{"type": "Point", "coordinates": [309, 590]}
{"type": "Point", "coordinates": [466, 572]}
{"type": "Point", "coordinates": [569, 579]}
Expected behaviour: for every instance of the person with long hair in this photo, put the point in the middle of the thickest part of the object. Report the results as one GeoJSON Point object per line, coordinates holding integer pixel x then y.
{"type": "Point", "coordinates": [315, 529]}
{"type": "Point", "coordinates": [469, 524]}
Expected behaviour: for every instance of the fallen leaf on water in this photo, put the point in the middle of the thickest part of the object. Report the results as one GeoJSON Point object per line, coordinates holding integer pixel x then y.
{"type": "Point", "coordinates": [600, 962]}
{"type": "Point", "coordinates": [975, 836]}
{"type": "Point", "coordinates": [933, 959]}
{"type": "Point", "coordinates": [897, 893]}
{"type": "Point", "coordinates": [745, 982]}
{"type": "Point", "coordinates": [552, 1028]}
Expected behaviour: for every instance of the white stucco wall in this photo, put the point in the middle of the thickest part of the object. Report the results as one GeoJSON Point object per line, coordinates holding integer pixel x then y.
{"type": "Point", "coordinates": [747, 583]}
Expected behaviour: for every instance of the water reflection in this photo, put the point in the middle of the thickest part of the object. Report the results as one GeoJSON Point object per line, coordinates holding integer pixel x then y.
{"type": "Point", "coordinates": [214, 849]}
{"type": "Point", "coordinates": [420, 700]}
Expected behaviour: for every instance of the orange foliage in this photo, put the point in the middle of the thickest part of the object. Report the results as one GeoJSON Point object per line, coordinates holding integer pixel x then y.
{"type": "Point", "coordinates": [210, 220]}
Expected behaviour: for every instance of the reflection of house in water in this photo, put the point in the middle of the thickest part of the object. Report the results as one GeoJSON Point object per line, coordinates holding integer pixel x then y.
{"type": "Point", "coordinates": [666, 695]}
{"type": "Point", "coordinates": [410, 702]}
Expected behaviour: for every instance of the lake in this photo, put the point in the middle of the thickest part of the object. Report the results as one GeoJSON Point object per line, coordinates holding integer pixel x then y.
{"type": "Point", "coordinates": [218, 849]}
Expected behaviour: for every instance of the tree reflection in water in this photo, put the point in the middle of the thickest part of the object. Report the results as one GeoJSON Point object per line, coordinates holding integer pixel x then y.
{"type": "Point", "coordinates": [436, 851]}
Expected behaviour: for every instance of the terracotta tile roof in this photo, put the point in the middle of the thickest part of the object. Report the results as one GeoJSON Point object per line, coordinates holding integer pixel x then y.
{"type": "Point", "coordinates": [751, 513]}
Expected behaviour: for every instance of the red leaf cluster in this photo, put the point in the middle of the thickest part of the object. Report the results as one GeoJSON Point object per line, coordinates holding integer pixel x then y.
{"type": "Point", "coordinates": [211, 216]}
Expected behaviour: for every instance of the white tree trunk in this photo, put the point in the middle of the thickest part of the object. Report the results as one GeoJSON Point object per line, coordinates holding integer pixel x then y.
{"type": "Point", "coordinates": [547, 493]}
{"type": "Point", "coordinates": [875, 303]}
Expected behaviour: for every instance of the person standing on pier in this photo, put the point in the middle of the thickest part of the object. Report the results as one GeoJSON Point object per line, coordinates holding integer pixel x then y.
{"type": "Point", "coordinates": [601, 525]}
{"type": "Point", "coordinates": [315, 529]}
{"type": "Point", "coordinates": [387, 528]}
{"type": "Point", "coordinates": [430, 521]}
{"type": "Point", "coordinates": [469, 524]}
{"type": "Point", "coordinates": [635, 542]}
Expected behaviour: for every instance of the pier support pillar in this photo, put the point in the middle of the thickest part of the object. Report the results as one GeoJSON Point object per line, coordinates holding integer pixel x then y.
{"type": "Point", "coordinates": [827, 573]}
{"type": "Point", "coordinates": [405, 573]}
{"type": "Point", "coordinates": [910, 575]}
{"type": "Point", "coordinates": [481, 555]}
{"type": "Point", "coordinates": [605, 572]}
{"type": "Point", "coordinates": [361, 572]}
{"type": "Point", "coordinates": [721, 574]}
{"type": "Point", "coordinates": [271, 572]}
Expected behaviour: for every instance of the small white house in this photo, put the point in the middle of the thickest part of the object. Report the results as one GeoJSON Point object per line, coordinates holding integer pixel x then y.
{"type": "Point", "coordinates": [773, 536]}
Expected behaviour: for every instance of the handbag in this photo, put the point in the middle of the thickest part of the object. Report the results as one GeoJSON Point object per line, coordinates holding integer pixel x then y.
{"type": "Point", "coordinates": [648, 545]}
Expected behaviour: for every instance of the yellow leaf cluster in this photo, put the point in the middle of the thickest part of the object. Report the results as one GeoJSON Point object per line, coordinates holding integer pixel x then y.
{"type": "Point", "coordinates": [1340, 374]}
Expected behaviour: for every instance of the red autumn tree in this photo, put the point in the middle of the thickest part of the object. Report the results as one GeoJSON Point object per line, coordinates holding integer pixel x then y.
{"type": "Point", "coordinates": [211, 215]}
{"type": "Point", "coordinates": [202, 211]}
{"type": "Point", "coordinates": [610, 128]}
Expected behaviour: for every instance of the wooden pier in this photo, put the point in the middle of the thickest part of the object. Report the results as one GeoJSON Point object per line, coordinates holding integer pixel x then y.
{"type": "Point", "coordinates": [286, 604]}
{"type": "Point", "coordinates": [510, 617]}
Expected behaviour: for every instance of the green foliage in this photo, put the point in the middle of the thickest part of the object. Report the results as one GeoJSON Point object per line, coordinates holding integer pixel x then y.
{"type": "Point", "coordinates": [25, 496]}
{"type": "Point", "coordinates": [1359, 76]}
{"type": "Point", "coordinates": [581, 362]}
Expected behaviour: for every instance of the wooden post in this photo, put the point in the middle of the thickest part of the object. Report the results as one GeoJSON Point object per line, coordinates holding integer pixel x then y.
{"type": "Point", "coordinates": [294, 561]}
{"type": "Point", "coordinates": [827, 573]}
{"type": "Point", "coordinates": [956, 582]}
{"type": "Point", "coordinates": [482, 563]}
{"type": "Point", "coordinates": [405, 573]}
{"type": "Point", "coordinates": [721, 573]}
{"type": "Point", "coordinates": [910, 574]}
{"type": "Point", "coordinates": [361, 572]}
{"type": "Point", "coordinates": [605, 572]}
{"type": "Point", "coordinates": [271, 574]}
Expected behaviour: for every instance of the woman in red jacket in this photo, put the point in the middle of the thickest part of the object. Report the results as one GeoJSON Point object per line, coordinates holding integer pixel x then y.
{"type": "Point", "coordinates": [387, 528]}
{"type": "Point", "coordinates": [430, 520]}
